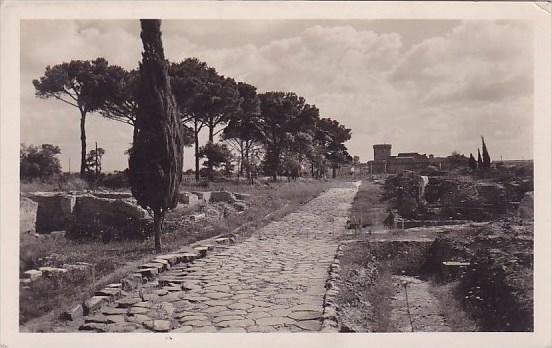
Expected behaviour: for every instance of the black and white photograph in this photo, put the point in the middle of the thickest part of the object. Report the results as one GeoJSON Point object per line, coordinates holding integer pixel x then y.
{"type": "Point", "coordinates": [257, 174]}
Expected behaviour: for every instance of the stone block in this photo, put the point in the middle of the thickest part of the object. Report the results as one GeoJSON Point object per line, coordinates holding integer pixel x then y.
{"type": "Point", "coordinates": [113, 195]}
{"type": "Point", "coordinates": [170, 258]}
{"type": "Point", "coordinates": [165, 263]}
{"type": "Point", "coordinates": [94, 303]}
{"type": "Point", "coordinates": [52, 271]}
{"type": "Point", "coordinates": [187, 257]}
{"type": "Point", "coordinates": [203, 196]}
{"type": "Point", "coordinates": [148, 273]}
{"type": "Point", "coordinates": [222, 196]}
{"type": "Point", "coordinates": [27, 215]}
{"type": "Point", "coordinates": [242, 196]}
{"type": "Point", "coordinates": [240, 206]}
{"type": "Point", "coordinates": [201, 250]}
{"type": "Point", "coordinates": [54, 210]}
{"type": "Point", "coordinates": [197, 217]}
{"type": "Point", "coordinates": [72, 314]}
{"type": "Point", "coordinates": [188, 199]}
{"type": "Point", "coordinates": [111, 292]}
{"type": "Point", "coordinates": [32, 274]}
{"type": "Point", "coordinates": [93, 215]}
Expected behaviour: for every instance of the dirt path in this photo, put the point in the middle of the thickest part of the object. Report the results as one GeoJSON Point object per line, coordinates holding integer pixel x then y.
{"type": "Point", "coordinates": [274, 281]}
{"type": "Point", "coordinates": [414, 308]}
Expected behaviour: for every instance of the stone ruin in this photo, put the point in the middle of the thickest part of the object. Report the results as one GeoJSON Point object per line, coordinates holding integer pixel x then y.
{"type": "Point", "coordinates": [105, 215]}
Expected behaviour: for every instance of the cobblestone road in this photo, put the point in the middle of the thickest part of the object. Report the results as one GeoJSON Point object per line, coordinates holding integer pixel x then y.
{"type": "Point", "coordinates": [274, 281]}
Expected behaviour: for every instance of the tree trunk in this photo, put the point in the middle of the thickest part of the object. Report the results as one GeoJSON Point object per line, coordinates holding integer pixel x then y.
{"type": "Point", "coordinates": [196, 144]}
{"type": "Point", "coordinates": [83, 144]}
{"type": "Point", "coordinates": [158, 217]}
{"type": "Point", "coordinates": [334, 172]}
{"type": "Point", "coordinates": [209, 164]}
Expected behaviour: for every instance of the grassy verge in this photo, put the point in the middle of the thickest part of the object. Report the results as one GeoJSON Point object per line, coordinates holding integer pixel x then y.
{"type": "Point", "coordinates": [112, 261]}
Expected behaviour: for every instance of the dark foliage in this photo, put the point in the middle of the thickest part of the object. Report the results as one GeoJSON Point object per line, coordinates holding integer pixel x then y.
{"type": "Point", "coordinates": [39, 163]}
{"type": "Point", "coordinates": [155, 162]}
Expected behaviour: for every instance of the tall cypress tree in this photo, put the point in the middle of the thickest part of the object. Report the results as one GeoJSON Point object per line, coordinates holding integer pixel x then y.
{"type": "Point", "coordinates": [472, 162]}
{"type": "Point", "coordinates": [486, 157]}
{"type": "Point", "coordinates": [156, 158]}
{"type": "Point", "coordinates": [479, 160]}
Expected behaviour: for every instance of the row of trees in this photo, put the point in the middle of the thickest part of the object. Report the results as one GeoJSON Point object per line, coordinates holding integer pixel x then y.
{"type": "Point", "coordinates": [277, 132]}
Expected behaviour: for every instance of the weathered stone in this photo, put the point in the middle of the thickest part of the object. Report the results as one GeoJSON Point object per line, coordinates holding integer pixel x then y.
{"type": "Point", "coordinates": [132, 282]}
{"type": "Point", "coordinates": [158, 325]}
{"type": "Point", "coordinates": [197, 217]}
{"type": "Point", "coordinates": [222, 196]}
{"type": "Point", "coordinates": [196, 322]}
{"type": "Point", "coordinates": [309, 325]}
{"type": "Point", "coordinates": [54, 210]}
{"type": "Point", "coordinates": [94, 303]}
{"type": "Point", "coordinates": [72, 314]}
{"type": "Point", "coordinates": [98, 318]}
{"type": "Point", "coordinates": [93, 327]}
{"type": "Point", "coordinates": [111, 292]}
{"type": "Point", "coordinates": [172, 259]}
{"type": "Point", "coordinates": [165, 263]}
{"type": "Point", "coordinates": [148, 273]}
{"type": "Point", "coordinates": [113, 195]}
{"type": "Point", "coordinates": [183, 329]}
{"type": "Point", "coordinates": [124, 216]}
{"type": "Point", "coordinates": [227, 318]}
{"type": "Point", "coordinates": [114, 311]}
{"type": "Point", "coordinates": [236, 323]}
{"type": "Point", "coordinates": [239, 305]}
{"type": "Point", "coordinates": [271, 321]}
{"type": "Point", "coordinates": [51, 271]}
{"type": "Point", "coordinates": [121, 327]}
{"type": "Point", "coordinates": [242, 196]}
{"type": "Point", "coordinates": [239, 206]}
{"type": "Point", "coordinates": [128, 301]}
{"type": "Point", "coordinates": [138, 310]}
{"type": "Point", "coordinates": [32, 274]}
{"type": "Point", "coordinates": [139, 319]}
{"type": "Point", "coordinates": [204, 196]}
{"type": "Point", "coordinates": [305, 315]}
{"type": "Point", "coordinates": [205, 329]}
{"type": "Point", "coordinates": [201, 250]}
{"type": "Point", "coordinates": [188, 199]}
{"type": "Point", "coordinates": [233, 329]}
{"type": "Point", "coordinates": [27, 215]}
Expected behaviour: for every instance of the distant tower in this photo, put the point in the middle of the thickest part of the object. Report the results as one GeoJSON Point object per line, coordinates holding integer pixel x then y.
{"type": "Point", "coordinates": [382, 152]}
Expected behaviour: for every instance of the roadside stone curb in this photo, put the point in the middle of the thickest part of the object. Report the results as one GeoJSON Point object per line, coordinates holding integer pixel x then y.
{"type": "Point", "coordinates": [330, 319]}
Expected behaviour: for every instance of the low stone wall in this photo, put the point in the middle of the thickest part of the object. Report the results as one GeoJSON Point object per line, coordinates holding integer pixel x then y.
{"type": "Point", "coordinates": [27, 215]}
{"type": "Point", "coordinates": [108, 218]}
{"type": "Point", "coordinates": [54, 210]}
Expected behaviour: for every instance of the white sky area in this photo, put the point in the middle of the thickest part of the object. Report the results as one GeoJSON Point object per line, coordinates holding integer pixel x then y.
{"type": "Point", "coordinates": [427, 86]}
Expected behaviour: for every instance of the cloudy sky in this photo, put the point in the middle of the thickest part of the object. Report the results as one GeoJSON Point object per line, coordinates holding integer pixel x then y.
{"type": "Point", "coordinates": [428, 86]}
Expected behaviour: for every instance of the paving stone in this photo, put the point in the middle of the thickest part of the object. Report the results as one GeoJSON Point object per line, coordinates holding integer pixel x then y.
{"type": "Point", "coordinates": [227, 318]}
{"type": "Point", "coordinates": [138, 310]}
{"type": "Point", "coordinates": [128, 301]}
{"type": "Point", "coordinates": [121, 327]}
{"type": "Point", "coordinates": [158, 325]}
{"type": "Point", "coordinates": [73, 313]}
{"type": "Point", "coordinates": [258, 315]}
{"type": "Point", "coordinates": [236, 323]}
{"type": "Point", "coordinates": [215, 309]}
{"type": "Point", "coordinates": [309, 325]}
{"type": "Point", "coordinates": [182, 329]}
{"type": "Point", "coordinates": [233, 329]}
{"type": "Point", "coordinates": [239, 305]}
{"type": "Point", "coordinates": [196, 322]}
{"type": "Point", "coordinates": [273, 321]}
{"type": "Point", "coordinates": [305, 315]}
{"type": "Point", "coordinates": [218, 302]}
{"type": "Point", "coordinates": [230, 312]}
{"type": "Point", "coordinates": [94, 303]}
{"type": "Point", "coordinates": [113, 311]}
{"type": "Point", "coordinates": [139, 318]}
{"type": "Point", "coordinates": [93, 327]}
{"type": "Point", "coordinates": [204, 329]}
{"type": "Point", "coordinates": [263, 329]}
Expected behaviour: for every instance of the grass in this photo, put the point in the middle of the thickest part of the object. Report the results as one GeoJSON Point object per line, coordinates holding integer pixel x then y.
{"type": "Point", "coordinates": [112, 261]}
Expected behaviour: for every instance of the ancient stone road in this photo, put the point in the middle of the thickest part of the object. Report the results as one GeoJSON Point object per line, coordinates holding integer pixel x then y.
{"type": "Point", "coordinates": [274, 281]}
